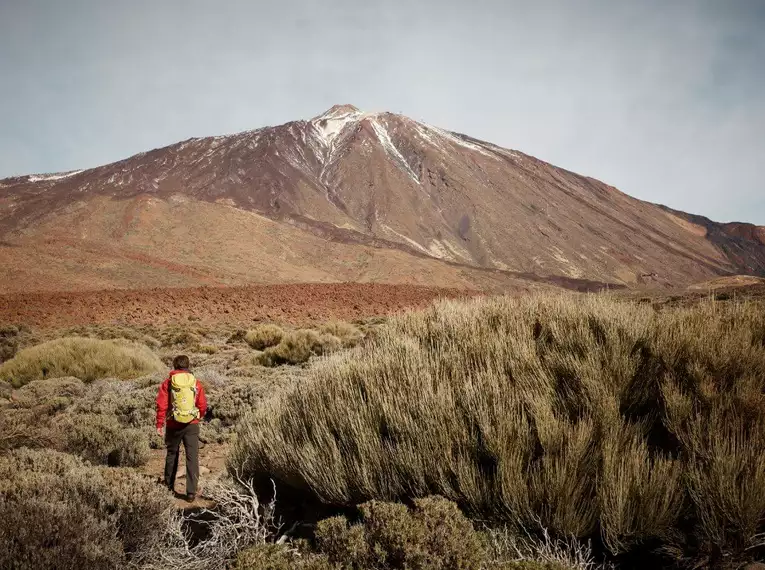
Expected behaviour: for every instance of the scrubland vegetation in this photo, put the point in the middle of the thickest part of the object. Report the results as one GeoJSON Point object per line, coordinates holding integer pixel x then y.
{"type": "Point", "coordinates": [59, 512]}
{"type": "Point", "coordinates": [83, 358]}
{"type": "Point", "coordinates": [540, 433]}
{"type": "Point", "coordinates": [579, 416]}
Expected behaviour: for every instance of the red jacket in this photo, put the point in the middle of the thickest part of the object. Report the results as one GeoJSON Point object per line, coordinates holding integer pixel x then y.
{"type": "Point", "coordinates": [163, 403]}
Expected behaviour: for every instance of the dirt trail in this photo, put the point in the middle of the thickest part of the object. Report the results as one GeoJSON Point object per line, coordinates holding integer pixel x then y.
{"type": "Point", "coordinates": [212, 463]}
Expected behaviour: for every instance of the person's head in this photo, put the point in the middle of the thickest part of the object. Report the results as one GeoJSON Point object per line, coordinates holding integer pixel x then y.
{"type": "Point", "coordinates": [181, 362]}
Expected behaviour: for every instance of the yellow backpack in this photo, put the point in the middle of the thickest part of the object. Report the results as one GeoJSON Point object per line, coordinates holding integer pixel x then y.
{"type": "Point", "coordinates": [183, 389]}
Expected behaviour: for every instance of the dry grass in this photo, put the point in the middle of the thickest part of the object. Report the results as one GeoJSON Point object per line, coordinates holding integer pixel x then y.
{"type": "Point", "coordinates": [84, 358]}
{"type": "Point", "coordinates": [586, 416]}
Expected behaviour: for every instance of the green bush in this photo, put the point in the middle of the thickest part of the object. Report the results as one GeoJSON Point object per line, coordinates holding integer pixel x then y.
{"type": "Point", "coordinates": [584, 415]}
{"type": "Point", "coordinates": [263, 336]}
{"type": "Point", "coordinates": [434, 535]}
{"type": "Point", "coordinates": [59, 513]}
{"type": "Point", "coordinates": [84, 358]}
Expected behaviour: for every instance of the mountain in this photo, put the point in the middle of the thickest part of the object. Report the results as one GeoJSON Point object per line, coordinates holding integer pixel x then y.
{"type": "Point", "coordinates": [350, 196]}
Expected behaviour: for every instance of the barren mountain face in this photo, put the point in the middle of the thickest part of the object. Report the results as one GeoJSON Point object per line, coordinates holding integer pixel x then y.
{"type": "Point", "coordinates": [350, 196]}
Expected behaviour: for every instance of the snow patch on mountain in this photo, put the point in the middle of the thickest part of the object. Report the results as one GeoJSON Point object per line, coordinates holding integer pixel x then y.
{"type": "Point", "coordinates": [329, 125]}
{"type": "Point", "coordinates": [427, 133]}
{"type": "Point", "coordinates": [49, 177]}
{"type": "Point", "coordinates": [391, 149]}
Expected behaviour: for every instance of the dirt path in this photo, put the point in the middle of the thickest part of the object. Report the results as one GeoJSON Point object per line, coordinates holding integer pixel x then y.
{"type": "Point", "coordinates": [212, 463]}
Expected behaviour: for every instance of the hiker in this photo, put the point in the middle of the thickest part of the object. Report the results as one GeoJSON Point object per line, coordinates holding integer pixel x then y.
{"type": "Point", "coordinates": [181, 402]}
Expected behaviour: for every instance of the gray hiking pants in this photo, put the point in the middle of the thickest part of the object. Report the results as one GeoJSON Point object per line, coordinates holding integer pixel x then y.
{"type": "Point", "coordinates": [189, 435]}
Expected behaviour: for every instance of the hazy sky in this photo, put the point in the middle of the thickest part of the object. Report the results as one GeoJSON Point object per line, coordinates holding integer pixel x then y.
{"type": "Point", "coordinates": [663, 99]}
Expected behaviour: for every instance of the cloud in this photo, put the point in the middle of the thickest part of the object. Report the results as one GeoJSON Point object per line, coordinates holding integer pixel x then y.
{"type": "Point", "coordinates": [659, 98]}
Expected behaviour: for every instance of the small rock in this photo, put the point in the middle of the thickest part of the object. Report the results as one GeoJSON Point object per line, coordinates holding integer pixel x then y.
{"type": "Point", "coordinates": [204, 470]}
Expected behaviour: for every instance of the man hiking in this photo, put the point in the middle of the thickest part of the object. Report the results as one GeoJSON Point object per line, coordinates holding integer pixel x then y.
{"type": "Point", "coordinates": [181, 402]}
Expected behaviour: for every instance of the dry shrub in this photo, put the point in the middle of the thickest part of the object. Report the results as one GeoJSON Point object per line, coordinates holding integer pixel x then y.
{"type": "Point", "coordinates": [60, 513]}
{"type": "Point", "coordinates": [297, 347]}
{"type": "Point", "coordinates": [238, 521]}
{"type": "Point", "coordinates": [5, 390]}
{"type": "Point", "coordinates": [84, 358]}
{"type": "Point", "coordinates": [348, 334]}
{"type": "Point", "coordinates": [130, 404]}
{"type": "Point", "coordinates": [583, 415]}
{"type": "Point", "coordinates": [263, 336]}
{"type": "Point", "coordinates": [280, 557]}
{"type": "Point", "coordinates": [9, 342]}
{"type": "Point", "coordinates": [433, 535]}
{"type": "Point", "coordinates": [102, 440]}
{"type": "Point", "coordinates": [53, 394]}
{"type": "Point", "coordinates": [24, 428]}
{"type": "Point", "coordinates": [176, 336]}
{"type": "Point", "coordinates": [512, 549]}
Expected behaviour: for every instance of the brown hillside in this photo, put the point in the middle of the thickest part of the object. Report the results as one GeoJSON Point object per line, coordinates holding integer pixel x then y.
{"type": "Point", "coordinates": [350, 196]}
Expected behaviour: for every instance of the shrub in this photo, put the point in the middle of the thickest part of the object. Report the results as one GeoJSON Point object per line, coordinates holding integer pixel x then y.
{"type": "Point", "coordinates": [580, 414]}
{"type": "Point", "coordinates": [24, 428]}
{"type": "Point", "coordinates": [9, 342]}
{"type": "Point", "coordinates": [84, 358]}
{"type": "Point", "coordinates": [102, 440]}
{"type": "Point", "coordinates": [279, 557]}
{"type": "Point", "coordinates": [263, 336]}
{"type": "Point", "coordinates": [348, 334]}
{"type": "Point", "coordinates": [298, 346]}
{"type": "Point", "coordinates": [514, 549]}
{"type": "Point", "coordinates": [183, 336]}
{"type": "Point", "coordinates": [50, 393]}
{"type": "Point", "coordinates": [5, 390]}
{"type": "Point", "coordinates": [237, 398]}
{"type": "Point", "coordinates": [238, 522]}
{"type": "Point", "coordinates": [60, 513]}
{"type": "Point", "coordinates": [237, 335]}
{"type": "Point", "coordinates": [434, 535]}
{"type": "Point", "coordinates": [131, 405]}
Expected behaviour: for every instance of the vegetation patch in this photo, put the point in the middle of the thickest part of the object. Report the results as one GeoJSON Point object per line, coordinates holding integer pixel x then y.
{"type": "Point", "coordinates": [264, 336]}
{"type": "Point", "coordinates": [85, 358]}
{"type": "Point", "coordinates": [59, 512]}
{"type": "Point", "coordinates": [587, 416]}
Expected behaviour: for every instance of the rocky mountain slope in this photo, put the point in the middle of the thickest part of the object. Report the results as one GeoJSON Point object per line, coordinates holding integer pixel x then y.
{"type": "Point", "coordinates": [350, 196]}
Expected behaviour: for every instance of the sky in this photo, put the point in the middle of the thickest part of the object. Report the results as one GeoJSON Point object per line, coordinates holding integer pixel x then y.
{"type": "Point", "coordinates": [664, 99]}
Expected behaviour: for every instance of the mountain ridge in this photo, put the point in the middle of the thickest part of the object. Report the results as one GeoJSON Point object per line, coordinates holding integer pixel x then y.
{"type": "Point", "coordinates": [387, 182]}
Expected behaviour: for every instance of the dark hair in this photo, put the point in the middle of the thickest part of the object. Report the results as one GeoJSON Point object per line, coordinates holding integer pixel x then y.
{"type": "Point", "coordinates": [181, 362]}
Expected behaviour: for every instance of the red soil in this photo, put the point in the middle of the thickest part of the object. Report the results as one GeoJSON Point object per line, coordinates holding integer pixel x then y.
{"type": "Point", "coordinates": [294, 304]}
